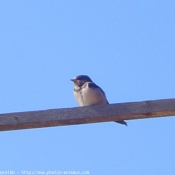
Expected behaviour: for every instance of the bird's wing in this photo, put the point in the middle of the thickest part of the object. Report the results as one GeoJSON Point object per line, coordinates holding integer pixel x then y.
{"type": "Point", "coordinates": [94, 86]}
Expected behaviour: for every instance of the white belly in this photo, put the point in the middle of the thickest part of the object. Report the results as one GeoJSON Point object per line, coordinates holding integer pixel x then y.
{"type": "Point", "coordinates": [88, 96]}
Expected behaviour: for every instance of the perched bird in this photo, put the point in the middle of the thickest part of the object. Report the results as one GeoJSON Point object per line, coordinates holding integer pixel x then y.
{"type": "Point", "coordinates": [87, 93]}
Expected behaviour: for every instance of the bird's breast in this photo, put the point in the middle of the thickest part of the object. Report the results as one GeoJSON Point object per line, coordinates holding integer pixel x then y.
{"type": "Point", "coordinates": [88, 96]}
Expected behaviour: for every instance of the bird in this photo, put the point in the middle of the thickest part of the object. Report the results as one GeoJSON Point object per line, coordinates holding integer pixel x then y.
{"type": "Point", "coordinates": [87, 93]}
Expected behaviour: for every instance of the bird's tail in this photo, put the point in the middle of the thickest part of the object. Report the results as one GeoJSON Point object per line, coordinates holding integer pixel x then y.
{"type": "Point", "coordinates": [122, 122]}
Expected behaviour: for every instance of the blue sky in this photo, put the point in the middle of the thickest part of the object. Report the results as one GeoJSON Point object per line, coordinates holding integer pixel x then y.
{"type": "Point", "coordinates": [126, 47]}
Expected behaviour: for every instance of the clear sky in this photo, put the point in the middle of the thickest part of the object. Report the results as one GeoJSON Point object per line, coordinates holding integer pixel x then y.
{"type": "Point", "coordinates": [126, 47]}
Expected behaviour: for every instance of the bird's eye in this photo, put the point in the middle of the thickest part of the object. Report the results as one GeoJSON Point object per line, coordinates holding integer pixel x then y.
{"type": "Point", "coordinates": [80, 82]}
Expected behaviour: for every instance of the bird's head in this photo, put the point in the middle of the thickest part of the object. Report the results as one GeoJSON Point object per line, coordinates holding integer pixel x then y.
{"type": "Point", "coordinates": [80, 80]}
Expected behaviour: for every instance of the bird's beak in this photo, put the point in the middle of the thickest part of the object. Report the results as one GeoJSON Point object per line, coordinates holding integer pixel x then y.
{"type": "Point", "coordinates": [72, 79]}
{"type": "Point", "coordinates": [75, 81]}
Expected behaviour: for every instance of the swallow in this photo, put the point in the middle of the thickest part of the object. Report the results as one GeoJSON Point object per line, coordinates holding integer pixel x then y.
{"type": "Point", "coordinates": [87, 93]}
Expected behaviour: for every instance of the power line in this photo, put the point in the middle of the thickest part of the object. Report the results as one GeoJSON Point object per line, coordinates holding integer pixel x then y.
{"type": "Point", "coordinates": [88, 114]}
